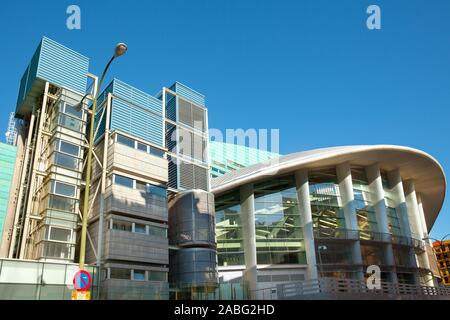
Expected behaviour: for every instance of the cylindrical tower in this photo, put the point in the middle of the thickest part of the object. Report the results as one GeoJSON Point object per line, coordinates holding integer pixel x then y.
{"type": "Point", "coordinates": [193, 261]}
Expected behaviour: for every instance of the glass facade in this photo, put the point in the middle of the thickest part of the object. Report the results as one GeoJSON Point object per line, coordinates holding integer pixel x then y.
{"type": "Point", "coordinates": [230, 247]}
{"type": "Point", "coordinates": [326, 203]}
{"type": "Point", "coordinates": [392, 214]}
{"type": "Point", "coordinates": [279, 236]}
{"type": "Point", "coordinates": [365, 213]}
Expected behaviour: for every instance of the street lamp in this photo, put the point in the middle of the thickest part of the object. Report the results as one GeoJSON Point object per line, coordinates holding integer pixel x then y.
{"type": "Point", "coordinates": [319, 249]}
{"type": "Point", "coordinates": [120, 49]}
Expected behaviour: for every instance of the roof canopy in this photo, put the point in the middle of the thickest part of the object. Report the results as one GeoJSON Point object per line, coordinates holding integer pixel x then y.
{"type": "Point", "coordinates": [426, 172]}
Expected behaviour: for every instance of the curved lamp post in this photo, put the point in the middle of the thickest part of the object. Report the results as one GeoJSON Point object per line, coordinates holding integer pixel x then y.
{"type": "Point", "coordinates": [120, 49]}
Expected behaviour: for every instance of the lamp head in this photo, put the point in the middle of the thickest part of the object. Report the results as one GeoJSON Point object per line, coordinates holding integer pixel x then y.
{"type": "Point", "coordinates": [121, 48]}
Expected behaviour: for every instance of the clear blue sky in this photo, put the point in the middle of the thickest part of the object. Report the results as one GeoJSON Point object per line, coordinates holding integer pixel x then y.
{"type": "Point", "coordinates": [310, 68]}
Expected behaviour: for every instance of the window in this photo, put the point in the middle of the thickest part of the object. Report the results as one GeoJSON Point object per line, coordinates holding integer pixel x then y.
{"type": "Point", "coordinates": [61, 203]}
{"type": "Point", "coordinates": [141, 186]}
{"type": "Point", "coordinates": [119, 273]}
{"type": "Point", "coordinates": [139, 275]}
{"type": "Point", "coordinates": [122, 225]}
{"type": "Point", "coordinates": [142, 147]}
{"type": "Point", "coordinates": [69, 148]}
{"type": "Point", "coordinates": [159, 191]}
{"type": "Point", "coordinates": [66, 161]}
{"type": "Point", "coordinates": [156, 276]}
{"type": "Point", "coordinates": [63, 189]}
{"type": "Point", "coordinates": [139, 228]}
{"type": "Point", "coordinates": [123, 181]}
{"type": "Point", "coordinates": [57, 250]}
{"type": "Point", "coordinates": [156, 152]}
{"type": "Point", "coordinates": [60, 234]}
{"type": "Point", "coordinates": [125, 141]}
{"type": "Point", "coordinates": [73, 111]}
{"type": "Point", "coordinates": [157, 231]}
{"type": "Point", "coordinates": [69, 122]}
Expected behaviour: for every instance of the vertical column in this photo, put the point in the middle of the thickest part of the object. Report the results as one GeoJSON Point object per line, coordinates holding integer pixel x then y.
{"type": "Point", "coordinates": [416, 223]}
{"type": "Point", "coordinates": [379, 205]}
{"type": "Point", "coordinates": [346, 190]}
{"type": "Point", "coordinates": [304, 207]}
{"type": "Point", "coordinates": [249, 237]}
{"type": "Point", "coordinates": [428, 245]}
{"type": "Point", "coordinates": [413, 209]}
{"type": "Point", "coordinates": [33, 181]}
{"type": "Point", "coordinates": [396, 186]}
{"type": "Point", "coordinates": [422, 216]}
{"type": "Point", "coordinates": [102, 192]}
{"type": "Point", "coordinates": [21, 196]}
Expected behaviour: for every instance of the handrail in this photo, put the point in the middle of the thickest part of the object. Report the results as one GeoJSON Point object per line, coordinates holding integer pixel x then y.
{"type": "Point", "coordinates": [350, 286]}
{"type": "Point", "coordinates": [348, 234]}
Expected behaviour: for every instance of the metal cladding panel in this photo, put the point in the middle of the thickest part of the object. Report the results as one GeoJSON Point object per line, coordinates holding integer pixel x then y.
{"type": "Point", "coordinates": [56, 64]}
{"type": "Point", "coordinates": [188, 93]}
{"type": "Point", "coordinates": [137, 121]}
{"type": "Point", "coordinates": [62, 66]}
{"type": "Point", "coordinates": [28, 77]}
{"type": "Point", "coordinates": [137, 97]}
{"type": "Point", "coordinates": [7, 162]}
{"type": "Point", "coordinates": [137, 113]}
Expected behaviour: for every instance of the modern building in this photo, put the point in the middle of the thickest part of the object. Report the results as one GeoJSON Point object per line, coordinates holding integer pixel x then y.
{"type": "Point", "coordinates": [442, 254]}
{"type": "Point", "coordinates": [227, 157]}
{"type": "Point", "coordinates": [267, 226]}
{"type": "Point", "coordinates": [150, 151]}
{"type": "Point", "coordinates": [328, 213]}
{"type": "Point", "coordinates": [7, 163]}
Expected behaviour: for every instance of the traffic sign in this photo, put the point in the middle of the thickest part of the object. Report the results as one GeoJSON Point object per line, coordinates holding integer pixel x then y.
{"type": "Point", "coordinates": [81, 295]}
{"type": "Point", "coordinates": [82, 280]}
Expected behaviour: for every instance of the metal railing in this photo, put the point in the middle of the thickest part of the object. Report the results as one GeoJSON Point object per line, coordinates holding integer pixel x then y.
{"type": "Point", "coordinates": [334, 288]}
{"type": "Point", "coordinates": [344, 234]}
{"type": "Point", "coordinates": [367, 235]}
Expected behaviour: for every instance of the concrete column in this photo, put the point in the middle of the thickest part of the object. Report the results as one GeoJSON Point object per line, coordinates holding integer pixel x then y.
{"type": "Point", "coordinates": [379, 205]}
{"type": "Point", "coordinates": [304, 207]}
{"type": "Point", "coordinates": [346, 191]}
{"type": "Point", "coordinates": [396, 186]}
{"type": "Point", "coordinates": [249, 238]}
{"type": "Point", "coordinates": [422, 216]}
{"type": "Point", "coordinates": [414, 214]}
{"type": "Point", "coordinates": [413, 209]}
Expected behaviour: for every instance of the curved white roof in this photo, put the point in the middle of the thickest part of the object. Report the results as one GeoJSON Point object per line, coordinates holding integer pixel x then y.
{"type": "Point", "coordinates": [427, 173]}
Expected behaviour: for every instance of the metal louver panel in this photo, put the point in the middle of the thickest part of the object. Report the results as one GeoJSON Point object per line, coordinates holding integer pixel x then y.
{"type": "Point", "coordinates": [184, 112]}
{"type": "Point", "coordinates": [198, 148]}
{"type": "Point", "coordinates": [188, 93]}
{"type": "Point", "coordinates": [201, 178]}
{"type": "Point", "coordinates": [171, 107]}
{"type": "Point", "coordinates": [186, 175]}
{"type": "Point", "coordinates": [185, 142]}
{"type": "Point", "coordinates": [173, 173]}
{"type": "Point", "coordinates": [198, 118]}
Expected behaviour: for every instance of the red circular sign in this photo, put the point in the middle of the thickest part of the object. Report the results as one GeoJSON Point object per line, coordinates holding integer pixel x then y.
{"type": "Point", "coordinates": [82, 280]}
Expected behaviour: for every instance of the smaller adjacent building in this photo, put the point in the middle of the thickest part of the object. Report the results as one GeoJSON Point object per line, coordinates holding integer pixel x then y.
{"type": "Point", "coordinates": [7, 163]}
{"type": "Point", "coordinates": [442, 252]}
{"type": "Point", "coordinates": [227, 157]}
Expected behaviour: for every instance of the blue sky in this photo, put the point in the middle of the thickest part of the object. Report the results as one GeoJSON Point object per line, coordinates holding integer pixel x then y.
{"type": "Point", "coordinates": [310, 68]}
